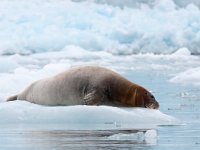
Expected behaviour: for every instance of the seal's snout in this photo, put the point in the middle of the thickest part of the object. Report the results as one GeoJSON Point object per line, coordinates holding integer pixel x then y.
{"type": "Point", "coordinates": [153, 105]}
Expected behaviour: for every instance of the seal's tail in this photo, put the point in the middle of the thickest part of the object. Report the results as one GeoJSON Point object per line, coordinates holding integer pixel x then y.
{"type": "Point", "coordinates": [12, 98]}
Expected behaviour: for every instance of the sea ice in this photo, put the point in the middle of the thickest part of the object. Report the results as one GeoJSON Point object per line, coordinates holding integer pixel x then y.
{"type": "Point", "coordinates": [52, 25]}
{"type": "Point", "coordinates": [190, 76]}
{"type": "Point", "coordinates": [22, 112]}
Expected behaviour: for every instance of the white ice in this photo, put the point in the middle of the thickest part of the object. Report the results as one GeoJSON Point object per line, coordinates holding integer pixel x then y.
{"type": "Point", "coordinates": [188, 77]}
{"type": "Point", "coordinates": [149, 136]}
{"type": "Point", "coordinates": [51, 25]}
{"type": "Point", "coordinates": [21, 112]}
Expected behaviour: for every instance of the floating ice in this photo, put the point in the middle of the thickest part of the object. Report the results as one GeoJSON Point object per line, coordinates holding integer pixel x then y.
{"type": "Point", "coordinates": [51, 25]}
{"type": "Point", "coordinates": [182, 52]}
{"type": "Point", "coordinates": [138, 136]}
{"type": "Point", "coordinates": [190, 76]}
{"type": "Point", "coordinates": [149, 136]}
{"type": "Point", "coordinates": [21, 112]}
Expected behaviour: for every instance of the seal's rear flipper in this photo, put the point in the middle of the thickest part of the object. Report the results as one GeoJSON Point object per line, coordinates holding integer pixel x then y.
{"type": "Point", "coordinates": [12, 98]}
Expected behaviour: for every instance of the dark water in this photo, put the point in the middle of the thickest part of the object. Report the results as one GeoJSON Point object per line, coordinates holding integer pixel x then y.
{"type": "Point", "coordinates": [179, 101]}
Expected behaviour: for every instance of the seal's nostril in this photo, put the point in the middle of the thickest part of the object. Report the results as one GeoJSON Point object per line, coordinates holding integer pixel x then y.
{"type": "Point", "coordinates": [152, 96]}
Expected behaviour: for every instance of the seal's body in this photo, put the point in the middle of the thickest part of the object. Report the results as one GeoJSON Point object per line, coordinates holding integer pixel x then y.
{"type": "Point", "coordinates": [87, 86]}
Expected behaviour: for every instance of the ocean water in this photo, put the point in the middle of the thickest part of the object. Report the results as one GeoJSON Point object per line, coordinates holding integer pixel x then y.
{"type": "Point", "coordinates": [152, 43]}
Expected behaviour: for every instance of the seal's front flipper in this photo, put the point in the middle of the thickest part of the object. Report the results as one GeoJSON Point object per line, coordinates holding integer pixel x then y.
{"type": "Point", "coordinates": [92, 97]}
{"type": "Point", "coordinates": [12, 98]}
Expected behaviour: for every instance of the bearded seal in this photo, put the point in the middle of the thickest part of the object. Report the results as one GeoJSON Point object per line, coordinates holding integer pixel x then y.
{"type": "Point", "coordinates": [88, 85]}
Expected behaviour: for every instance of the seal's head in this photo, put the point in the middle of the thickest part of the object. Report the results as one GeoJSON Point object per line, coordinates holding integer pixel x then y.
{"type": "Point", "coordinates": [150, 101]}
{"type": "Point", "coordinates": [140, 97]}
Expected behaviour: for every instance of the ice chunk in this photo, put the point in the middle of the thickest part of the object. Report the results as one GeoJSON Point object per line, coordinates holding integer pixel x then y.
{"type": "Point", "coordinates": [20, 112]}
{"type": "Point", "coordinates": [149, 136]}
{"type": "Point", "coordinates": [190, 76]}
{"type": "Point", "coordinates": [138, 136]}
{"type": "Point", "coordinates": [182, 52]}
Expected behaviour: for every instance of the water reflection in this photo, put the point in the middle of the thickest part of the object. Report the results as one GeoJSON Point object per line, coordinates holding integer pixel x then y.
{"type": "Point", "coordinates": [75, 139]}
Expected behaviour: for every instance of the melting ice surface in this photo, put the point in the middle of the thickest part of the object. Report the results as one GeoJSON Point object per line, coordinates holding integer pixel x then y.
{"type": "Point", "coordinates": [83, 117]}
